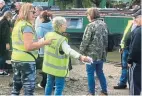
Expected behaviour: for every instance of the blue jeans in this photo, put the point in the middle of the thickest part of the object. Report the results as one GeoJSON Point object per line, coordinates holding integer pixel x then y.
{"type": "Point", "coordinates": [59, 85]}
{"type": "Point", "coordinates": [24, 75]}
{"type": "Point", "coordinates": [91, 68]}
{"type": "Point", "coordinates": [2, 62]}
{"type": "Point", "coordinates": [124, 73]}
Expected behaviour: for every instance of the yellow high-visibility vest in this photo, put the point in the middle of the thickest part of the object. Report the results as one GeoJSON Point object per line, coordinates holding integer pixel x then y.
{"type": "Point", "coordinates": [18, 43]}
{"type": "Point", "coordinates": [54, 62]}
{"type": "Point", "coordinates": [127, 29]}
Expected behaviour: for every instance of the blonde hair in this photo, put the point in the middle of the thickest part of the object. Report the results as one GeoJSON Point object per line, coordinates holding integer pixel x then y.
{"type": "Point", "coordinates": [58, 22]}
{"type": "Point", "coordinates": [24, 12]}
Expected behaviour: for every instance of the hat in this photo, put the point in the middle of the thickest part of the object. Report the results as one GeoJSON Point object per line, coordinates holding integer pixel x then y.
{"type": "Point", "coordinates": [1, 1]}
{"type": "Point", "coordinates": [137, 13]}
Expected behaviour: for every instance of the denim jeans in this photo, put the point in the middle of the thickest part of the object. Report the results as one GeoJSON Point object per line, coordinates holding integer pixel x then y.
{"type": "Point", "coordinates": [59, 83]}
{"type": "Point", "coordinates": [2, 62]}
{"type": "Point", "coordinates": [96, 66]}
{"type": "Point", "coordinates": [24, 75]}
{"type": "Point", "coordinates": [124, 73]}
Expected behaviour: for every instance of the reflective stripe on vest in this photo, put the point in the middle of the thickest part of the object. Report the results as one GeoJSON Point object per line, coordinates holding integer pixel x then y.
{"type": "Point", "coordinates": [128, 26]}
{"type": "Point", "coordinates": [55, 55]}
{"type": "Point", "coordinates": [17, 43]}
{"type": "Point", "coordinates": [127, 29]}
{"type": "Point", "coordinates": [56, 67]}
{"type": "Point", "coordinates": [55, 63]}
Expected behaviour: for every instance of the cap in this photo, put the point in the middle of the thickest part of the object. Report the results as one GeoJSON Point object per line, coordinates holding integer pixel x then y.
{"type": "Point", "coordinates": [137, 13]}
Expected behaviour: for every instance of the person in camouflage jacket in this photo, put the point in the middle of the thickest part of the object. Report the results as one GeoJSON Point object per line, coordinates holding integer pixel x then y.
{"type": "Point", "coordinates": [95, 40]}
{"type": "Point", "coordinates": [94, 44]}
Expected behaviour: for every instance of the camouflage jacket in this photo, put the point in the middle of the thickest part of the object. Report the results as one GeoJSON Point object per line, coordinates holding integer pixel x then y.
{"type": "Point", "coordinates": [95, 40]}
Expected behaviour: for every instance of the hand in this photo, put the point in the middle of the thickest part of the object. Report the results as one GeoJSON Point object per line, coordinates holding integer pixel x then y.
{"type": "Point", "coordinates": [7, 46]}
{"type": "Point", "coordinates": [48, 41]}
{"type": "Point", "coordinates": [82, 58]}
{"type": "Point", "coordinates": [86, 59]}
{"type": "Point", "coordinates": [129, 65]}
{"type": "Point", "coordinates": [121, 50]}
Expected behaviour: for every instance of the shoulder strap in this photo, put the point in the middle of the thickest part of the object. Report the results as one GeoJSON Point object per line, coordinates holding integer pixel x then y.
{"type": "Point", "coordinates": [27, 53]}
{"type": "Point", "coordinates": [30, 54]}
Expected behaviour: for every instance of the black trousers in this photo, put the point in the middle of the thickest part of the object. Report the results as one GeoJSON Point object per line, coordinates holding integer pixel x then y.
{"type": "Point", "coordinates": [135, 79]}
{"type": "Point", "coordinates": [44, 78]}
{"type": "Point", "coordinates": [44, 75]}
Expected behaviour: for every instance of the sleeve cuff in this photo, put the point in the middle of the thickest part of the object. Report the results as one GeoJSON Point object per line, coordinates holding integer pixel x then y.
{"type": "Point", "coordinates": [129, 61]}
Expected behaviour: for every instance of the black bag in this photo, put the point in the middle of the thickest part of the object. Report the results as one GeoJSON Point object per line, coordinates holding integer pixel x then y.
{"type": "Point", "coordinates": [38, 60]}
{"type": "Point", "coordinates": [32, 56]}
{"type": "Point", "coordinates": [70, 65]}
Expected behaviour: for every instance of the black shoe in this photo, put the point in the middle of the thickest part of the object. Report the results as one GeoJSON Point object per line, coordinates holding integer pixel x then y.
{"type": "Point", "coordinates": [120, 87]}
{"type": "Point", "coordinates": [1, 73]}
{"type": "Point", "coordinates": [104, 93]}
{"type": "Point", "coordinates": [4, 74]}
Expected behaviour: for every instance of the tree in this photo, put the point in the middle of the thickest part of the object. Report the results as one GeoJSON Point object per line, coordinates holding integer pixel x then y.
{"type": "Point", "coordinates": [78, 4]}
{"type": "Point", "coordinates": [96, 2]}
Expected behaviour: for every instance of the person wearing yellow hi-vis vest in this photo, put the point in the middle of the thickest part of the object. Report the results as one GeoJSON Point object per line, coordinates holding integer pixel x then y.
{"type": "Point", "coordinates": [124, 51]}
{"type": "Point", "coordinates": [25, 45]}
{"type": "Point", "coordinates": [56, 57]}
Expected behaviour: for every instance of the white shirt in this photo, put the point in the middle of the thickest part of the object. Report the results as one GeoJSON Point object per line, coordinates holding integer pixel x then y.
{"type": "Point", "coordinates": [37, 22]}
{"type": "Point", "coordinates": [69, 51]}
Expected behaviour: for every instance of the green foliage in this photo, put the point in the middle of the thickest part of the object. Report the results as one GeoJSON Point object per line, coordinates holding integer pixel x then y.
{"type": "Point", "coordinates": [86, 3]}
{"type": "Point", "coordinates": [26, 0]}
{"type": "Point", "coordinates": [34, 0]}
{"type": "Point", "coordinates": [68, 4]}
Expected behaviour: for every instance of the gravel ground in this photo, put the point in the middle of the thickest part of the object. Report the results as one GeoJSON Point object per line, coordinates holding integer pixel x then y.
{"type": "Point", "coordinates": [76, 84]}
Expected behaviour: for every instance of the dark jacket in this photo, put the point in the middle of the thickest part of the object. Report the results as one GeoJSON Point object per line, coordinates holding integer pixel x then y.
{"type": "Point", "coordinates": [4, 35]}
{"type": "Point", "coordinates": [135, 46]}
{"type": "Point", "coordinates": [3, 9]}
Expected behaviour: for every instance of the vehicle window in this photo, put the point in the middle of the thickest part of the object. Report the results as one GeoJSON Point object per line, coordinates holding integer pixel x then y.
{"type": "Point", "coordinates": [74, 23]}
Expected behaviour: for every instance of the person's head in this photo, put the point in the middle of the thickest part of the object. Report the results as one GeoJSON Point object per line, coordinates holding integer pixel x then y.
{"type": "Point", "coordinates": [8, 15]}
{"type": "Point", "coordinates": [38, 10]}
{"type": "Point", "coordinates": [137, 13]}
{"type": "Point", "coordinates": [18, 5]}
{"type": "Point", "coordinates": [92, 13]}
{"type": "Point", "coordinates": [59, 24]}
{"type": "Point", "coordinates": [2, 3]}
{"type": "Point", "coordinates": [138, 20]}
{"type": "Point", "coordinates": [26, 12]}
{"type": "Point", "coordinates": [45, 16]}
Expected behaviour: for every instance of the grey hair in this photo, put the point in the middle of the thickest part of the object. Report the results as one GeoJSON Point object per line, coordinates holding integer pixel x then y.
{"type": "Point", "coordinates": [58, 22]}
{"type": "Point", "coordinates": [40, 8]}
